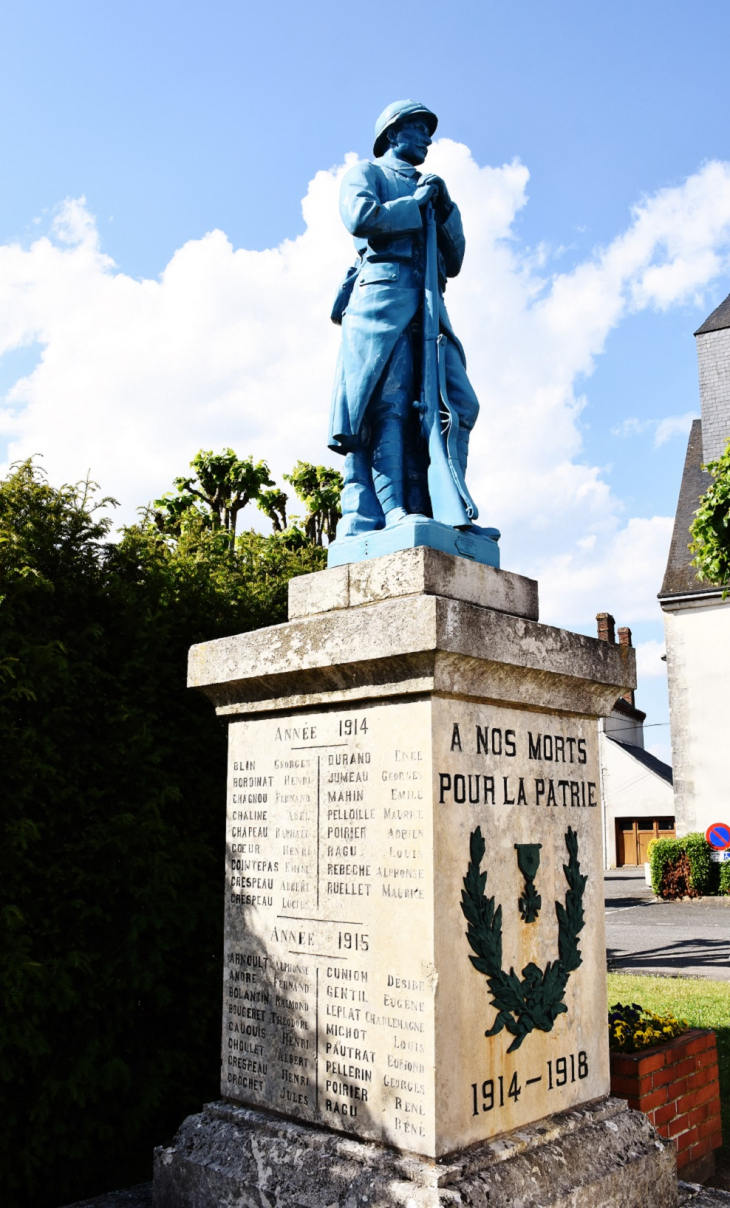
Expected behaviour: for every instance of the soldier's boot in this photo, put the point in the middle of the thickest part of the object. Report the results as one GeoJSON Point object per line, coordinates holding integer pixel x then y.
{"type": "Point", "coordinates": [388, 453]}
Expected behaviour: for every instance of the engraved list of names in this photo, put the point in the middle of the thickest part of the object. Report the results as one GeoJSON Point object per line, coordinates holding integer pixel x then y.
{"type": "Point", "coordinates": [328, 992]}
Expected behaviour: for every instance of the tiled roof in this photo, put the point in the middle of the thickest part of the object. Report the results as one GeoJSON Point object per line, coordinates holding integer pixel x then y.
{"type": "Point", "coordinates": [680, 576]}
{"type": "Point", "coordinates": [718, 320]}
{"type": "Point", "coordinates": [649, 761]}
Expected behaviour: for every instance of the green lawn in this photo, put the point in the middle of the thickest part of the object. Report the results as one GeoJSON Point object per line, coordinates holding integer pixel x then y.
{"type": "Point", "coordinates": [704, 1004]}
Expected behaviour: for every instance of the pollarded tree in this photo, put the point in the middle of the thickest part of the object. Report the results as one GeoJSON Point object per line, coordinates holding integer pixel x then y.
{"type": "Point", "coordinates": [711, 527]}
{"type": "Point", "coordinates": [273, 504]}
{"type": "Point", "coordinates": [319, 489]}
{"type": "Point", "coordinates": [223, 483]}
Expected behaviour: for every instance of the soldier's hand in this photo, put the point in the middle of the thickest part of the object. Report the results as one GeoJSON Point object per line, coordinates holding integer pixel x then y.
{"type": "Point", "coordinates": [441, 198]}
{"type": "Point", "coordinates": [424, 194]}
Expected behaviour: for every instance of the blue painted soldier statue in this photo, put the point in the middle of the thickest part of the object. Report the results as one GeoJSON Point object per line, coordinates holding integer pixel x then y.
{"type": "Point", "coordinates": [403, 408]}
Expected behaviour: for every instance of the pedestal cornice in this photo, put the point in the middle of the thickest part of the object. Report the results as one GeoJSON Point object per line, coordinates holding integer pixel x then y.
{"type": "Point", "coordinates": [406, 645]}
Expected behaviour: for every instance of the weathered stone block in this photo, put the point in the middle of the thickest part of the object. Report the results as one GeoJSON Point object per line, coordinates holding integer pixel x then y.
{"type": "Point", "coordinates": [350, 995]}
{"type": "Point", "coordinates": [414, 953]}
{"type": "Point", "coordinates": [379, 754]}
{"type": "Point", "coordinates": [409, 644]}
{"type": "Point", "coordinates": [421, 571]}
{"type": "Point", "coordinates": [600, 1156]}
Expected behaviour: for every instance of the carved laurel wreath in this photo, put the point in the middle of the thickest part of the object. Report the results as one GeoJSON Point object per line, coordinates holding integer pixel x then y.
{"type": "Point", "coordinates": [537, 1000]}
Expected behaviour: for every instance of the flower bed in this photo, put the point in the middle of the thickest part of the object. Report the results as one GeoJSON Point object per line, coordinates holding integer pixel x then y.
{"type": "Point", "coordinates": [676, 1085]}
{"type": "Point", "coordinates": [631, 1028]}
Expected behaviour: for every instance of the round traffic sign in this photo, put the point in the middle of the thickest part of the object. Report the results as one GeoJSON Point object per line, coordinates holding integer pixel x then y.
{"type": "Point", "coordinates": [718, 835]}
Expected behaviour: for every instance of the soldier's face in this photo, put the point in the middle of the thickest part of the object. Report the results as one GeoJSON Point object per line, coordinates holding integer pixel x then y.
{"type": "Point", "coordinates": [411, 140]}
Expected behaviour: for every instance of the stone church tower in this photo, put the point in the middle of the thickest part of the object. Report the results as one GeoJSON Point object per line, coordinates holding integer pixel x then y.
{"type": "Point", "coordinates": [713, 352]}
{"type": "Point", "coordinates": [696, 619]}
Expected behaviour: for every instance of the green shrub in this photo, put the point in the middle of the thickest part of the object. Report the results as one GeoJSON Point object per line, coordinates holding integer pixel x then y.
{"type": "Point", "coordinates": [711, 526]}
{"type": "Point", "coordinates": [699, 852]}
{"type": "Point", "coordinates": [724, 878]}
{"type": "Point", "coordinates": [632, 1028]}
{"type": "Point", "coordinates": [666, 855]}
{"type": "Point", "coordinates": [663, 853]}
{"type": "Point", "coordinates": [112, 820]}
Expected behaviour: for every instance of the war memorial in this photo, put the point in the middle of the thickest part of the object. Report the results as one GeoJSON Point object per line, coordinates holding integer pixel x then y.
{"type": "Point", "coordinates": [414, 993]}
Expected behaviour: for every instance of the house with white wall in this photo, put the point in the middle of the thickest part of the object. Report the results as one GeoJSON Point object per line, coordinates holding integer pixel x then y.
{"type": "Point", "coordinates": [636, 788]}
{"type": "Point", "coordinates": [696, 619]}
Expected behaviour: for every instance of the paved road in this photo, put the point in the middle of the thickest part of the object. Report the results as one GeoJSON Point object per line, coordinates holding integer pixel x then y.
{"type": "Point", "coordinates": [644, 935]}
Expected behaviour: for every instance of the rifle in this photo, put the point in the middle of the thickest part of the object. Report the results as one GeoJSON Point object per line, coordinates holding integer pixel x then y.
{"type": "Point", "coordinates": [451, 502]}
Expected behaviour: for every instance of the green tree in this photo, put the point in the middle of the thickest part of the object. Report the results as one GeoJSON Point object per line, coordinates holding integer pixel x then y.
{"type": "Point", "coordinates": [711, 526]}
{"type": "Point", "coordinates": [111, 829]}
{"type": "Point", "coordinates": [223, 483]}
{"type": "Point", "coordinates": [273, 504]}
{"type": "Point", "coordinates": [319, 489]}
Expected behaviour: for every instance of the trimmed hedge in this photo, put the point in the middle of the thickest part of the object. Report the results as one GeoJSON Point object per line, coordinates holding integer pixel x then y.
{"type": "Point", "coordinates": [112, 816]}
{"type": "Point", "coordinates": [685, 865]}
{"type": "Point", "coordinates": [701, 866]}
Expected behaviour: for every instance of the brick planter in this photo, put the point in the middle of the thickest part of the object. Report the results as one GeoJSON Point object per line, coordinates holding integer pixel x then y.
{"type": "Point", "coordinates": [676, 1085]}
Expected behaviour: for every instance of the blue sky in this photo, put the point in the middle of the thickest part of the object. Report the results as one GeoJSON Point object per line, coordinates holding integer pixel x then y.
{"type": "Point", "coordinates": [164, 114]}
{"type": "Point", "coordinates": [175, 120]}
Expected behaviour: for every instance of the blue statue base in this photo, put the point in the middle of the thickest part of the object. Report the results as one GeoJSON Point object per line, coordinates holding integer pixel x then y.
{"type": "Point", "coordinates": [410, 533]}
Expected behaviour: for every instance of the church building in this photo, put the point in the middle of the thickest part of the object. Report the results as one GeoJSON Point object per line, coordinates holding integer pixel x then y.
{"type": "Point", "coordinates": [696, 619]}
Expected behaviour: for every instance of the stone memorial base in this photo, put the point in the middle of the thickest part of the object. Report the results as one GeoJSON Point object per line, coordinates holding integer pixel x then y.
{"type": "Point", "coordinates": [414, 958]}
{"type": "Point", "coordinates": [412, 533]}
{"type": "Point", "coordinates": [602, 1155]}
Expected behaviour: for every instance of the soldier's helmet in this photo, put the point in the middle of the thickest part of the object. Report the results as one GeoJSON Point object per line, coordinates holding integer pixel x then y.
{"type": "Point", "coordinates": [393, 114]}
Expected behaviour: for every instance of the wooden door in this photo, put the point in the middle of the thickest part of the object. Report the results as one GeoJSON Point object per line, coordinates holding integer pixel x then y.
{"type": "Point", "coordinates": [633, 836]}
{"type": "Point", "coordinates": [645, 832]}
{"type": "Point", "coordinates": [625, 841]}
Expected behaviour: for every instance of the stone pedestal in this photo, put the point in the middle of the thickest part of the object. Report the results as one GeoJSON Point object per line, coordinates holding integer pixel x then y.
{"type": "Point", "coordinates": [599, 1156]}
{"type": "Point", "coordinates": [414, 941]}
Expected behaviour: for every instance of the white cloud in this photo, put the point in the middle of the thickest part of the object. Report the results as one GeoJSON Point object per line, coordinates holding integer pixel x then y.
{"type": "Point", "coordinates": [632, 427]}
{"type": "Point", "coordinates": [673, 425]}
{"type": "Point", "coordinates": [621, 574]}
{"type": "Point", "coordinates": [649, 663]}
{"type": "Point", "coordinates": [235, 347]}
{"type": "Point", "coordinates": [664, 429]}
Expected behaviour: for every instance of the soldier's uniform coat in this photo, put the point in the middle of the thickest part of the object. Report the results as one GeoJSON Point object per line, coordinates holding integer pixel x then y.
{"type": "Point", "coordinates": [377, 207]}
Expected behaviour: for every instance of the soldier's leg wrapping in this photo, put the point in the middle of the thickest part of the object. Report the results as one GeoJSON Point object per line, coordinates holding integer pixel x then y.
{"type": "Point", "coordinates": [361, 512]}
{"type": "Point", "coordinates": [463, 400]}
{"type": "Point", "coordinates": [387, 415]}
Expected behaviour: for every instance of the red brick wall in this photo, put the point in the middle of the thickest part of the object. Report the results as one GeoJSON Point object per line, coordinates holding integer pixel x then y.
{"type": "Point", "coordinates": [676, 1085]}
